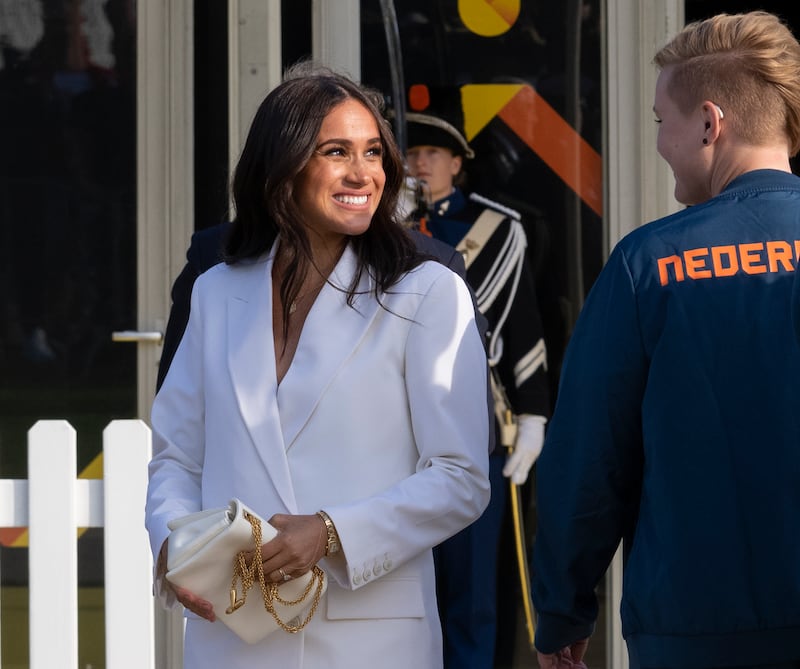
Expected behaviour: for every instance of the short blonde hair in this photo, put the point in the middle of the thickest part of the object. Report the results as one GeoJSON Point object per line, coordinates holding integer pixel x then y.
{"type": "Point", "coordinates": [748, 64]}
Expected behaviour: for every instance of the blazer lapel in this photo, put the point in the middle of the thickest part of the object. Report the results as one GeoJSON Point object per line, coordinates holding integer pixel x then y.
{"type": "Point", "coordinates": [330, 334]}
{"type": "Point", "coordinates": [251, 359]}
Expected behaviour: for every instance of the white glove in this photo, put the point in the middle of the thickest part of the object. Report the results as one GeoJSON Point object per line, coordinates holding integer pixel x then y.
{"type": "Point", "coordinates": [530, 439]}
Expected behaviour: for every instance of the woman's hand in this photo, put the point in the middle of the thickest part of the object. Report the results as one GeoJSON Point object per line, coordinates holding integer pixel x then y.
{"type": "Point", "coordinates": [298, 546]}
{"type": "Point", "coordinates": [192, 602]}
{"type": "Point", "coordinates": [189, 600]}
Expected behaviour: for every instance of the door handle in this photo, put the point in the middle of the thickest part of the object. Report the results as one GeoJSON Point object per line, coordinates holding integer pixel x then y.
{"type": "Point", "coordinates": [137, 336]}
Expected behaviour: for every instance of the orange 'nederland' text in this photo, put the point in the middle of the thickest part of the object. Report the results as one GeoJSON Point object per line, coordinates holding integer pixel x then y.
{"type": "Point", "coordinates": [716, 261]}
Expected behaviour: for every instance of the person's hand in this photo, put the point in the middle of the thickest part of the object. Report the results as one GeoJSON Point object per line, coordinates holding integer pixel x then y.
{"type": "Point", "coordinates": [570, 657]}
{"type": "Point", "coordinates": [197, 605]}
{"type": "Point", "coordinates": [189, 600]}
{"type": "Point", "coordinates": [530, 439]}
{"type": "Point", "coordinates": [298, 546]}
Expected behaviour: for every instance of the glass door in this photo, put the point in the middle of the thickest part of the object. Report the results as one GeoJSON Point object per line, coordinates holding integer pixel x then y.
{"type": "Point", "coordinates": [68, 257]}
{"type": "Point", "coordinates": [96, 210]}
{"type": "Point", "coordinates": [67, 222]}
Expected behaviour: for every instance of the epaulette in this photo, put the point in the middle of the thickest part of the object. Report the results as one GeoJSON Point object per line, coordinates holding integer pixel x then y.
{"type": "Point", "coordinates": [491, 204]}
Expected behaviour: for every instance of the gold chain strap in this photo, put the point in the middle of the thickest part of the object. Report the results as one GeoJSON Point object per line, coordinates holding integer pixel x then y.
{"type": "Point", "coordinates": [248, 574]}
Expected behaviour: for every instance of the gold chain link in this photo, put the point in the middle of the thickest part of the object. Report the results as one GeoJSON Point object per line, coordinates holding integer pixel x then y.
{"type": "Point", "coordinates": [248, 574]}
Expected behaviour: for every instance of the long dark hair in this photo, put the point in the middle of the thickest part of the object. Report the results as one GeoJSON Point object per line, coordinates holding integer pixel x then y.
{"type": "Point", "coordinates": [281, 141]}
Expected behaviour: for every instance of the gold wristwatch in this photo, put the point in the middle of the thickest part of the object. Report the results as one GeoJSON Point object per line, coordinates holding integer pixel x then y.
{"type": "Point", "coordinates": [333, 546]}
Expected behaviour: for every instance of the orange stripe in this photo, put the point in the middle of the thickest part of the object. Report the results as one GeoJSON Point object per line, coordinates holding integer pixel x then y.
{"type": "Point", "coordinates": [17, 537]}
{"type": "Point", "coordinates": [558, 144]}
{"type": "Point", "coordinates": [9, 535]}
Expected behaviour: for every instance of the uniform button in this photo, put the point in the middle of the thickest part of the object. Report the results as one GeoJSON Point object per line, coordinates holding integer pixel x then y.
{"type": "Point", "coordinates": [356, 579]}
{"type": "Point", "coordinates": [376, 570]}
{"type": "Point", "coordinates": [387, 565]}
{"type": "Point", "coordinates": [367, 575]}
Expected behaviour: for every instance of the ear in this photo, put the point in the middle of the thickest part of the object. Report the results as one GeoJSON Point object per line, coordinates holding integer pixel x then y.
{"type": "Point", "coordinates": [712, 116]}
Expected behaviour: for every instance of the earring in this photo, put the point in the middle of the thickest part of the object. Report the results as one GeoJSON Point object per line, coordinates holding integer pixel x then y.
{"type": "Point", "coordinates": [705, 140]}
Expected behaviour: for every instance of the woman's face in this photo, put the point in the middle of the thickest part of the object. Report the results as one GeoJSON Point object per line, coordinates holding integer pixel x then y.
{"type": "Point", "coordinates": [437, 166]}
{"type": "Point", "coordinates": [680, 143]}
{"type": "Point", "coordinates": [339, 189]}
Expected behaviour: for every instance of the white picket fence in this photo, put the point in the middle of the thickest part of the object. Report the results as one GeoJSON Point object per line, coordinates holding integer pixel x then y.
{"type": "Point", "coordinates": [52, 502]}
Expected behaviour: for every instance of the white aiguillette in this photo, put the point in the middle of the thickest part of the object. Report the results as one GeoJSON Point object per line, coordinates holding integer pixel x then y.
{"type": "Point", "coordinates": [206, 554]}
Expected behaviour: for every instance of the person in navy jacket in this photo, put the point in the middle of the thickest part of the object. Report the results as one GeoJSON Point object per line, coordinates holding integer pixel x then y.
{"type": "Point", "coordinates": [677, 423]}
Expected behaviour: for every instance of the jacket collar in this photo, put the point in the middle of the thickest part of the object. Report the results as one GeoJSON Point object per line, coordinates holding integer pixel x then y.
{"type": "Point", "coordinates": [330, 334]}
{"type": "Point", "coordinates": [761, 180]}
{"type": "Point", "coordinates": [276, 414]}
{"type": "Point", "coordinates": [450, 205]}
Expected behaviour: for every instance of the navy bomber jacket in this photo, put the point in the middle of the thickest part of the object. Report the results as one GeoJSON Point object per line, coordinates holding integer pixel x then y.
{"type": "Point", "coordinates": [677, 431]}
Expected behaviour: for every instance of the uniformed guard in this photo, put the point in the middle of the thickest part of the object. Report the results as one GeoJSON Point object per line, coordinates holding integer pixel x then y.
{"type": "Point", "coordinates": [493, 242]}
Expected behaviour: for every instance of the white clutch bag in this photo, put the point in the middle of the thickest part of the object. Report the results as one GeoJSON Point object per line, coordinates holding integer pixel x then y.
{"type": "Point", "coordinates": [207, 554]}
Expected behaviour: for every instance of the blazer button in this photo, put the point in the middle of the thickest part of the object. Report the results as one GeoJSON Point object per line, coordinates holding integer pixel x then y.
{"type": "Point", "coordinates": [387, 565]}
{"type": "Point", "coordinates": [356, 579]}
{"type": "Point", "coordinates": [367, 575]}
{"type": "Point", "coordinates": [376, 569]}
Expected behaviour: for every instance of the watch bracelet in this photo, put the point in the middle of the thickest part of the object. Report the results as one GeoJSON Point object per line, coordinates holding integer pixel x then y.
{"type": "Point", "coordinates": [333, 545]}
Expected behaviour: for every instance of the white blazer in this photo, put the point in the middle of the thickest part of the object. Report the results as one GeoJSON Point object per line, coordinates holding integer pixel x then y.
{"type": "Point", "coordinates": [380, 420]}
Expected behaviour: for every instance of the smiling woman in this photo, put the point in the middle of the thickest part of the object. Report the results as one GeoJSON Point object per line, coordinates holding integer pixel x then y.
{"type": "Point", "coordinates": [340, 187]}
{"type": "Point", "coordinates": [303, 387]}
{"type": "Point", "coordinates": [337, 193]}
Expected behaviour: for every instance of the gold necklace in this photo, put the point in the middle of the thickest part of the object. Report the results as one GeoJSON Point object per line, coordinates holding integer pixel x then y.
{"type": "Point", "coordinates": [314, 290]}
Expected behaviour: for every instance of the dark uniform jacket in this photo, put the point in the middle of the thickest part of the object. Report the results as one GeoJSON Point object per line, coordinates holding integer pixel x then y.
{"type": "Point", "coordinates": [504, 289]}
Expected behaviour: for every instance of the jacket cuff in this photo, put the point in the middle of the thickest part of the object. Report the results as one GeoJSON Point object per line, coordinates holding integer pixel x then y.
{"type": "Point", "coordinates": [556, 632]}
